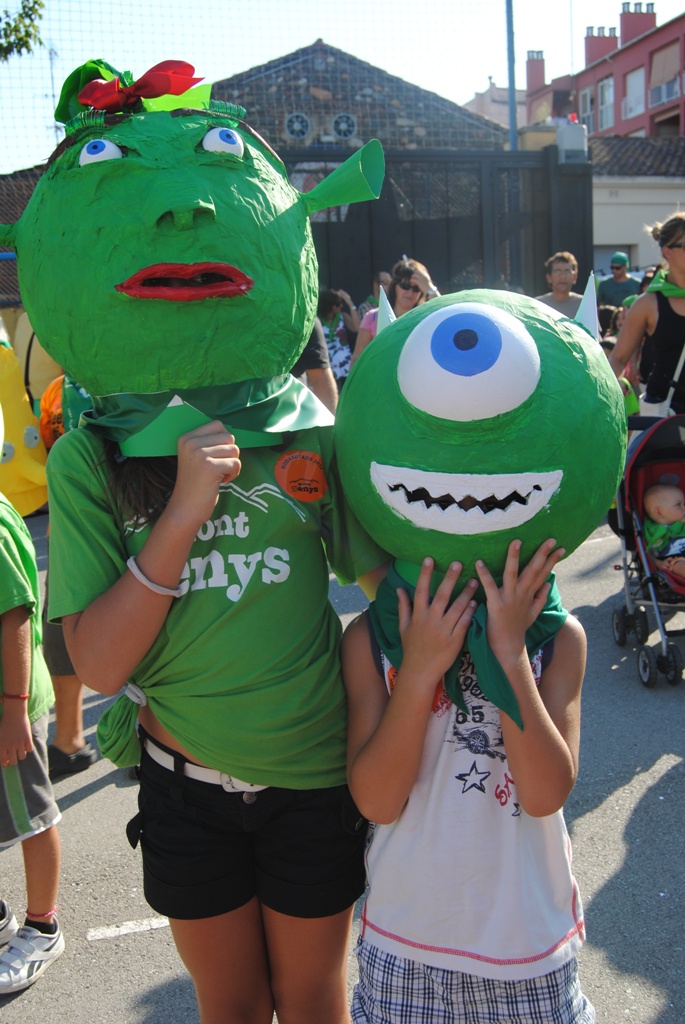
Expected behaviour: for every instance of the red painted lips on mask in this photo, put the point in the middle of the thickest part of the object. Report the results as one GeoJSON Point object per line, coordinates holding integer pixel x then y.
{"type": "Point", "coordinates": [186, 282]}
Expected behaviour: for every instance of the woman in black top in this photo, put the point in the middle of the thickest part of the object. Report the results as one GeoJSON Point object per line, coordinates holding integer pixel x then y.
{"type": "Point", "coordinates": [660, 314]}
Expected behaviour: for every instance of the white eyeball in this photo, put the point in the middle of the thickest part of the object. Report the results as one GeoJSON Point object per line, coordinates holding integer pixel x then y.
{"type": "Point", "coordinates": [468, 362]}
{"type": "Point", "coordinates": [223, 140]}
{"type": "Point", "coordinates": [31, 437]}
{"type": "Point", "coordinates": [7, 452]}
{"type": "Point", "coordinates": [99, 149]}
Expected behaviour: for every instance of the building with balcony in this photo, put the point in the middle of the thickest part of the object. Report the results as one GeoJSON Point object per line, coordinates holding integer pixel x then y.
{"type": "Point", "coordinates": [633, 83]}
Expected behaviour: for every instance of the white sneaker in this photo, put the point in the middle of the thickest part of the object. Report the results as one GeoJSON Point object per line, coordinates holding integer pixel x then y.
{"type": "Point", "coordinates": [27, 956]}
{"type": "Point", "coordinates": [8, 923]}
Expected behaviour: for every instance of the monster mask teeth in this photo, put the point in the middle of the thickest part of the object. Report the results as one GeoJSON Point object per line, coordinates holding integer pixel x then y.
{"type": "Point", "coordinates": [464, 503]}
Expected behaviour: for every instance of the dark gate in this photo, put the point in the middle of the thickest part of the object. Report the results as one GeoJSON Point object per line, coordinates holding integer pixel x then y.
{"type": "Point", "coordinates": [475, 219]}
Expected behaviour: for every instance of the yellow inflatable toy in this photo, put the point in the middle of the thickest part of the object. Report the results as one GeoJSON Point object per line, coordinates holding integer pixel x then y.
{"type": "Point", "coordinates": [22, 465]}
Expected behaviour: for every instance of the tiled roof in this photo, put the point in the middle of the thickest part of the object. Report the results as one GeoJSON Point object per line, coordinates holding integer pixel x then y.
{"type": "Point", "coordinates": [618, 156]}
{"type": "Point", "coordinates": [325, 84]}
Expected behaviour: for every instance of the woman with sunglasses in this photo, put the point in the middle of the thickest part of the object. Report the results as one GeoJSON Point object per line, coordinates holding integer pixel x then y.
{"type": "Point", "coordinates": [658, 317]}
{"type": "Point", "coordinates": [411, 286]}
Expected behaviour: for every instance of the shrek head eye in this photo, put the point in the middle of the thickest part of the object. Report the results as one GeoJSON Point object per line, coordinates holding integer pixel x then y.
{"type": "Point", "coordinates": [31, 437]}
{"type": "Point", "coordinates": [468, 362]}
{"type": "Point", "coordinates": [223, 140]}
{"type": "Point", "coordinates": [99, 149]}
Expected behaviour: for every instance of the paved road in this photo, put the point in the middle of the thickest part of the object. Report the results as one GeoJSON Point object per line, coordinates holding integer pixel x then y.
{"type": "Point", "coordinates": [625, 817]}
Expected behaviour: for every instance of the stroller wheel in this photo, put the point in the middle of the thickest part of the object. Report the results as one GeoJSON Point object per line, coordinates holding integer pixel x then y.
{"type": "Point", "coordinates": [619, 624]}
{"type": "Point", "coordinates": [647, 667]}
{"type": "Point", "coordinates": [674, 665]}
{"type": "Point", "coordinates": [641, 625]}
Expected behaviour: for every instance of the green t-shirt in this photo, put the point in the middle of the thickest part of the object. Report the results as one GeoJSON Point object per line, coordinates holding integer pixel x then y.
{"type": "Point", "coordinates": [612, 293]}
{"type": "Point", "coordinates": [630, 399]}
{"type": "Point", "coordinates": [245, 672]}
{"type": "Point", "coordinates": [19, 586]}
{"type": "Point", "coordinates": [658, 537]}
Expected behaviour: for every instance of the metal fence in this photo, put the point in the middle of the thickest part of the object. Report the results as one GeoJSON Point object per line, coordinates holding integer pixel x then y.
{"type": "Point", "coordinates": [475, 219]}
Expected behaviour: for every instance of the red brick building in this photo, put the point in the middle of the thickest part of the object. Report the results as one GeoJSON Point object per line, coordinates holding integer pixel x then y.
{"type": "Point", "coordinates": [632, 84]}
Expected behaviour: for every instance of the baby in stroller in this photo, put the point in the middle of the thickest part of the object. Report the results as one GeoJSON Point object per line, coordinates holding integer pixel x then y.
{"type": "Point", "coordinates": [664, 527]}
{"type": "Point", "coordinates": [650, 522]}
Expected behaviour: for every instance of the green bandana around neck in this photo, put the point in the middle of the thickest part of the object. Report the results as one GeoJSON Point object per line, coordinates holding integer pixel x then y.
{"type": "Point", "coordinates": [660, 283]}
{"type": "Point", "coordinates": [257, 412]}
{"type": "Point", "coordinates": [333, 324]}
{"type": "Point", "coordinates": [491, 677]}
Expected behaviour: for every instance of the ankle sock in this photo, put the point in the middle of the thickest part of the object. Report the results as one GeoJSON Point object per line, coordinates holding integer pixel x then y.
{"type": "Point", "coordinates": [42, 926]}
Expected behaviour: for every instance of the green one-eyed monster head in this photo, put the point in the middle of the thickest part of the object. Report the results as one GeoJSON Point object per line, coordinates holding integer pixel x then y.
{"type": "Point", "coordinates": [475, 420]}
{"type": "Point", "coordinates": [166, 248]}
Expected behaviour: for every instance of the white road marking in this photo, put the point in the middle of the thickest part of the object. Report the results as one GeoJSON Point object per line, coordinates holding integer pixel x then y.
{"type": "Point", "coordinates": [146, 925]}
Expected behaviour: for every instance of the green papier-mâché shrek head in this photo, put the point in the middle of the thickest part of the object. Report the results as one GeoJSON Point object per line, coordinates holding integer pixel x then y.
{"type": "Point", "coordinates": [164, 247]}
{"type": "Point", "coordinates": [477, 419]}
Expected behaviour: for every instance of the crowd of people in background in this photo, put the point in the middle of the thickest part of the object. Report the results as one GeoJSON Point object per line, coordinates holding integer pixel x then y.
{"type": "Point", "coordinates": [626, 337]}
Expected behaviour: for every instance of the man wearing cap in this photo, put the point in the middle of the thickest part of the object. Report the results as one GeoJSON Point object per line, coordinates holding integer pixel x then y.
{"type": "Point", "coordinates": [619, 286]}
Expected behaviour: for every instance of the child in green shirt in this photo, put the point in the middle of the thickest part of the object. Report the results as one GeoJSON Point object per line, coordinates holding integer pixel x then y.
{"type": "Point", "coordinates": [28, 812]}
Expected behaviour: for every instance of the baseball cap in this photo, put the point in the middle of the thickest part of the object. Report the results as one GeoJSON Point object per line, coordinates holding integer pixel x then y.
{"type": "Point", "coordinates": [619, 257]}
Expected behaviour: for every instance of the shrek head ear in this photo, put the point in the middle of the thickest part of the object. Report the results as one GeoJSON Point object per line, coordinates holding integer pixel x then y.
{"type": "Point", "coordinates": [359, 178]}
{"type": "Point", "coordinates": [8, 235]}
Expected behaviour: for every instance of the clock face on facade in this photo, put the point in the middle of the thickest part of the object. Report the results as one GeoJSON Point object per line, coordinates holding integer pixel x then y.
{"type": "Point", "coordinates": [344, 126]}
{"type": "Point", "coordinates": [298, 126]}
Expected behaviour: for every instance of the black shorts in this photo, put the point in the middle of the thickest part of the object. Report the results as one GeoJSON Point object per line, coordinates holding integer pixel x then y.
{"type": "Point", "coordinates": [207, 851]}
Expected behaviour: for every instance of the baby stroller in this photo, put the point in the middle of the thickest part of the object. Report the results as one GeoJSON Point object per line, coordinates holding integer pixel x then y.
{"type": "Point", "coordinates": [657, 455]}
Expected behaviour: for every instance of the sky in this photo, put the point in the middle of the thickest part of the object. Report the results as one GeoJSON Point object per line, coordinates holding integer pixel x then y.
{"type": "Point", "coordinates": [450, 47]}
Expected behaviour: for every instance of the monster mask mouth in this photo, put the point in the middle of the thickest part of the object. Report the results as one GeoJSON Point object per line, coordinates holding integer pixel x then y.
{"type": "Point", "coordinates": [464, 503]}
{"type": "Point", "coordinates": [186, 282]}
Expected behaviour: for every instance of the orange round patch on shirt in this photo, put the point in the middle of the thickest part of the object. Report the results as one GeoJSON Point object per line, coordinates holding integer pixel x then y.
{"type": "Point", "coordinates": [301, 475]}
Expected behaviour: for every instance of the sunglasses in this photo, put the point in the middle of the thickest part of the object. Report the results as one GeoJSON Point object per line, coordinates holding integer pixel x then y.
{"type": "Point", "coordinates": [676, 245]}
{"type": "Point", "coordinates": [617, 266]}
{"type": "Point", "coordinates": [409, 287]}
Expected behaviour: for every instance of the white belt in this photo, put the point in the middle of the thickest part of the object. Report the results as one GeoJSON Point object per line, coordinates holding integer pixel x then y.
{"type": "Point", "coordinates": [196, 771]}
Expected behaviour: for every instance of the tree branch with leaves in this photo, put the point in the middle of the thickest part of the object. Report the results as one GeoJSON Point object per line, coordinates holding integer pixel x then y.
{"type": "Point", "coordinates": [19, 32]}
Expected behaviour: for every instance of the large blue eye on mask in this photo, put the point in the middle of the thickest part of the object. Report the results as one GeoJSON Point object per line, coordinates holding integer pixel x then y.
{"type": "Point", "coordinates": [466, 345]}
{"type": "Point", "coordinates": [461, 364]}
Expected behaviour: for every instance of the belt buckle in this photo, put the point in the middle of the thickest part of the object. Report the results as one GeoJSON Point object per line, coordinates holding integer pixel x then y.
{"type": "Point", "coordinates": [227, 783]}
